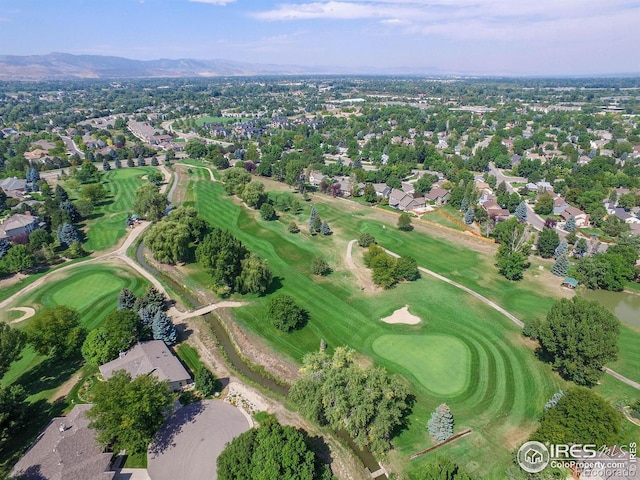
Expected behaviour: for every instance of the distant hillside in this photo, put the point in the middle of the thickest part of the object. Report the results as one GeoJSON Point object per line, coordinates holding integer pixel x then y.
{"type": "Point", "coordinates": [65, 66]}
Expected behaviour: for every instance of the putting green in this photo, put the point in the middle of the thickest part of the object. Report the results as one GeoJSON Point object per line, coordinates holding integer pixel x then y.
{"type": "Point", "coordinates": [440, 363]}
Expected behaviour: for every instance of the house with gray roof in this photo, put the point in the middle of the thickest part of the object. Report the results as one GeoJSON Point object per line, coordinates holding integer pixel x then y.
{"type": "Point", "coordinates": [14, 187]}
{"type": "Point", "coordinates": [153, 357]}
{"type": "Point", "coordinates": [66, 450]}
{"type": "Point", "coordinates": [18, 226]}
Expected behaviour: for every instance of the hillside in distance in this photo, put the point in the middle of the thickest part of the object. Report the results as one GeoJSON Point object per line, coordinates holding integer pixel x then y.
{"type": "Point", "coordinates": [59, 66]}
{"type": "Point", "coordinates": [65, 65]}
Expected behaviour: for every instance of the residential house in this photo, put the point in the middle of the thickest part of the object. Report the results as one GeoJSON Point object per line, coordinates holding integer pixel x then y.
{"type": "Point", "coordinates": [315, 177]}
{"type": "Point", "coordinates": [395, 197]}
{"type": "Point", "coordinates": [14, 187]}
{"type": "Point", "coordinates": [409, 202]}
{"type": "Point", "coordinates": [582, 218]}
{"type": "Point", "coordinates": [17, 227]}
{"type": "Point", "coordinates": [559, 205]}
{"type": "Point", "coordinates": [407, 187]}
{"type": "Point", "coordinates": [625, 216]}
{"type": "Point", "coordinates": [382, 190]}
{"type": "Point", "coordinates": [35, 154]}
{"type": "Point", "coordinates": [153, 357]}
{"type": "Point", "coordinates": [66, 450]}
{"type": "Point", "coordinates": [437, 196]}
{"type": "Point", "coordinates": [495, 211]}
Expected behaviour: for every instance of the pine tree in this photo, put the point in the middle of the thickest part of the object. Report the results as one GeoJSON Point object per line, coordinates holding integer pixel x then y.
{"type": "Point", "coordinates": [464, 204]}
{"type": "Point", "coordinates": [324, 228]}
{"type": "Point", "coordinates": [126, 300]}
{"type": "Point", "coordinates": [67, 234]}
{"type": "Point", "coordinates": [561, 249]}
{"type": "Point", "coordinates": [118, 163]}
{"type": "Point", "coordinates": [553, 401]}
{"type": "Point", "coordinates": [469, 216]}
{"type": "Point", "coordinates": [312, 218]}
{"type": "Point", "coordinates": [561, 267]}
{"type": "Point", "coordinates": [570, 226]}
{"type": "Point", "coordinates": [521, 211]}
{"type": "Point", "coordinates": [106, 166]}
{"type": "Point", "coordinates": [5, 245]}
{"type": "Point", "coordinates": [441, 423]}
{"type": "Point", "coordinates": [163, 329]}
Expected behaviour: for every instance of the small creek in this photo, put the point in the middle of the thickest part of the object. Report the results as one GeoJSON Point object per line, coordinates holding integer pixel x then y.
{"type": "Point", "coordinates": [238, 364]}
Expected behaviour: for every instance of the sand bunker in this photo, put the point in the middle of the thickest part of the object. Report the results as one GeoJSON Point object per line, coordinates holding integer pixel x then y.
{"type": "Point", "coordinates": [402, 316]}
{"type": "Point", "coordinates": [28, 313]}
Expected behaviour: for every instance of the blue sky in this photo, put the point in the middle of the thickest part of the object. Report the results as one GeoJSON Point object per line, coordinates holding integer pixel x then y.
{"type": "Point", "coordinates": [450, 36]}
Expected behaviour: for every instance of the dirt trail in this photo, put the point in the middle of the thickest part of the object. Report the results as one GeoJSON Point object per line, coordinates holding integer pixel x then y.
{"type": "Point", "coordinates": [364, 279]}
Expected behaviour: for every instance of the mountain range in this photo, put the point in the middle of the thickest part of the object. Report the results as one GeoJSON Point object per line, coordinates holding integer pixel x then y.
{"type": "Point", "coordinates": [59, 66]}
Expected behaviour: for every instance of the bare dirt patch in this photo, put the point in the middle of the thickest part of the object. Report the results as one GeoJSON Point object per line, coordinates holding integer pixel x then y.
{"type": "Point", "coordinates": [28, 313]}
{"type": "Point", "coordinates": [403, 316]}
{"type": "Point", "coordinates": [363, 277]}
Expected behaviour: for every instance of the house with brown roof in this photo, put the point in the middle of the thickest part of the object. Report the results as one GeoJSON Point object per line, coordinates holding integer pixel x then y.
{"type": "Point", "coordinates": [437, 196]}
{"type": "Point", "coordinates": [495, 211]}
{"type": "Point", "coordinates": [66, 450]}
{"type": "Point", "coordinates": [582, 218]}
{"type": "Point", "coordinates": [153, 357]}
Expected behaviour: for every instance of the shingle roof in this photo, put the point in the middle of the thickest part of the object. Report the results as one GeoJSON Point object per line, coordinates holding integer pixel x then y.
{"type": "Point", "coordinates": [148, 357]}
{"type": "Point", "coordinates": [13, 183]}
{"type": "Point", "coordinates": [66, 450]}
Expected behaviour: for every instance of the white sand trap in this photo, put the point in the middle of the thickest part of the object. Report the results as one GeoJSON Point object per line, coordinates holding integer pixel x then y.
{"type": "Point", "coordinates": [28, 313]}
{"type": "Point", "coordinates": [402, 316]}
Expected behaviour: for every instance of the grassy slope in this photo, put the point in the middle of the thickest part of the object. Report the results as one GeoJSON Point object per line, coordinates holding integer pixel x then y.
{"type": "Point", "coordinates": [508, 385]}
{"type": "Point", "coordinates": [108, 224]}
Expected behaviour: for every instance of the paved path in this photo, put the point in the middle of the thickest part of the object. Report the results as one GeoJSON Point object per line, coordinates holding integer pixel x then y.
{"type": "Point", "coordinates": [213, 178]}
{"type": "Point", "coordinates": [497, 307]}
{"type": "Point", "coordinates": [189, 443]}
{"type": "Point", "coordinates": [204, 310]}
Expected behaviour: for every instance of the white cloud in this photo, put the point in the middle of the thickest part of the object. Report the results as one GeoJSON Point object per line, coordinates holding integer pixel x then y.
{"type": "Point", "coordinates": [214, 2]}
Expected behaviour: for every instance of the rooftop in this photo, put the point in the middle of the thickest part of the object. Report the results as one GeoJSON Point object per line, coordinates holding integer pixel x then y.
{"type": "Point", "coordinates": [66, 450]}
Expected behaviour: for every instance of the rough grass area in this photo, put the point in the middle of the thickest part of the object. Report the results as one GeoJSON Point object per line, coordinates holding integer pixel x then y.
{"type": "Point", "coordinates": [506, 388]}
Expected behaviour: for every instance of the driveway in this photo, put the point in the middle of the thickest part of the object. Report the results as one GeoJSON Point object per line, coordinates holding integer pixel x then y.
{"type": "Point", "coordinates": [188, 444]}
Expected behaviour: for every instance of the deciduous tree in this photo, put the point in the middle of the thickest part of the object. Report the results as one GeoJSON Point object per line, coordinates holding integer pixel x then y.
{"type": "Point", "coordinates": [127, 413]}
{"type": "Point", "coordinates": [579, 337]}
{"type": "Point", "coordinates": [285, 313]}
{"type": "Point", "coordinates": [56, 331]}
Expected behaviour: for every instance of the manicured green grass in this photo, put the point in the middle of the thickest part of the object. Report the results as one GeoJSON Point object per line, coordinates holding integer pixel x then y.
{"type": "Point", "coordinates": [506, 387]}
{"type": "Point", "coordinates": [189, 357]}
{"type": "Point", "coordinates": [224, 120]}
{"type": "Point", "coordinates": [441, 364]}
{"type": "Point", "coordinates": [92, 290]}
{"type": "Point", "coordinates": [108, 225]}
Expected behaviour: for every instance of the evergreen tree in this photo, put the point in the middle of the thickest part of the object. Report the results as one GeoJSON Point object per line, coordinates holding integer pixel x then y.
{"type": "Point", "coordinates": [70, 208]}
{"type": "Point", "coordinates": [312, 218]}
{"type": "Point", "coordinates": [464, 205]}
{"type": "Point", "coordinates": [553, 401]}
{"type": "Point", "coordinates": [163, 329]}
{"type": "Point", "coordinates": [5, 245]}
{"type": "Point", "coordinates": [469, 216]}
{"type": "Point", "coordinates": [440, 424]}
{"type": "Point", "coordinates": [117, 163]}
{"type": "Point", "coordinates": [521, 211]}
{"type": "Point", "coordinates": [67, 234]}
{"type": "Point", "coordinates": [561, 267]}
{"type": "Point", "coordinates": [570, 226]}
{"type": "Point", "coordinates": [126, 300]}
{"type": "Point", "coordinates": [317, 224]}
{"type": "Point", "coordinates": [561, 249]}
{"type": "Point", "coordinates": [324, 228]}
{"type": "Point", "coordinates": [154, 161]}
{"type": "Point", "coordinates": [60, 194]}
{"type": "Point", "coordinates": [106, 166]}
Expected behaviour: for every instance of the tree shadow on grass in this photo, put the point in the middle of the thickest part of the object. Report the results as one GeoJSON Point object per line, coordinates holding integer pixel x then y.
{"type": "Point", "coordinates": [49, 374]}
{"type": "Point", "coordinates": [404, 421]}
{"type": "Point", "coordinates": [173, 426]}
{"type": "Point", "coordinates": [276, 284]}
